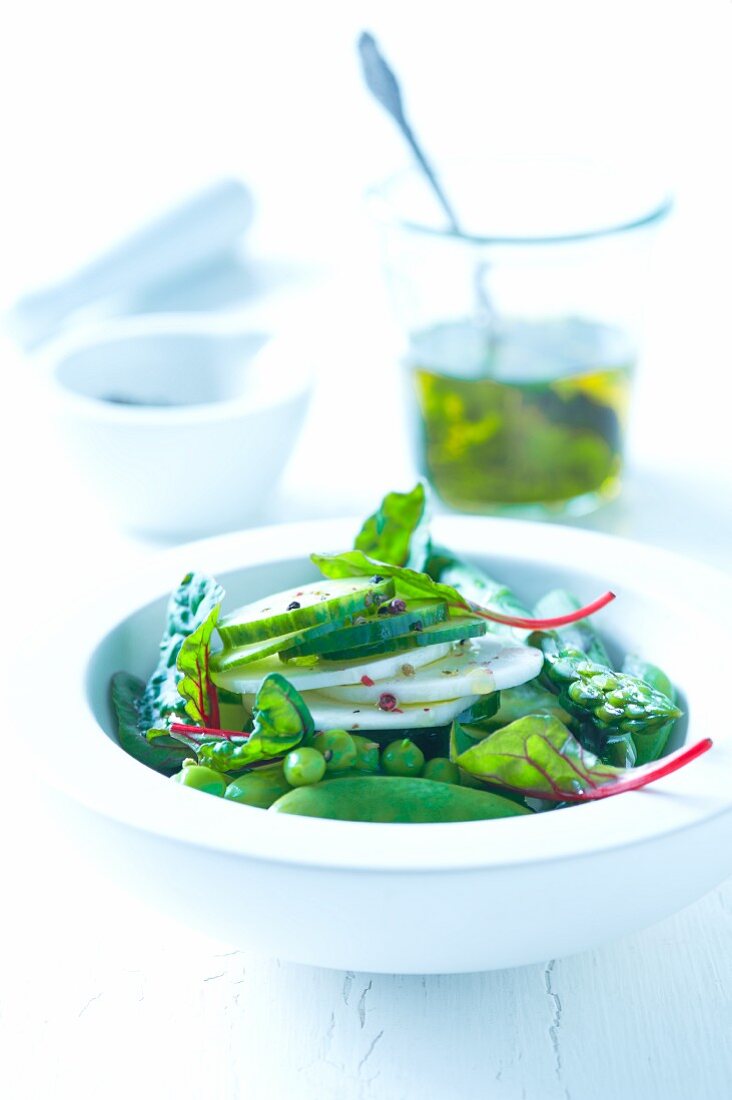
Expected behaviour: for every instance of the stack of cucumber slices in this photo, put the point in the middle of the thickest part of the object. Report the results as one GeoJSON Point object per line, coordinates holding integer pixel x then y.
{"type": "Point", "coordinates": [365, 660]}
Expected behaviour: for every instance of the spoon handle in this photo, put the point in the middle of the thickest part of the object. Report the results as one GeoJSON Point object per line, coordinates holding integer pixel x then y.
{"type": "Point", "coordinates": [384, 86]}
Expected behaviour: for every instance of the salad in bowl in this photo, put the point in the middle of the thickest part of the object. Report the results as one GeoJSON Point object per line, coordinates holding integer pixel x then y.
{"type": "Point", "coordinates": [406, 685]}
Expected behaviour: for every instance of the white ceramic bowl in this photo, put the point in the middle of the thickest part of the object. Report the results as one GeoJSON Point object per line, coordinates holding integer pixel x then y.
{"type": "Point", "coordinates": [182, 422]}
{"type": "Point", "coordinates": [401, 898]}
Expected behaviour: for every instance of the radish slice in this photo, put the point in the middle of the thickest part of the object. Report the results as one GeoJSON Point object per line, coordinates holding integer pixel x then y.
{"type": "Point", "coordinates": [247, 678]}
{"type": "Point", "coordinates": [478, 667]}
{"type": "Point", "coordinates": [328, 714]}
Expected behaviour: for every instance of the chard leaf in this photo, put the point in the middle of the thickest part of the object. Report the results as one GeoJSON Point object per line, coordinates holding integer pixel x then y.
{"type": "Point", "coordinates": [409, 583]}
{"type": "Point", "coordinates": [281, 720]}
{"type": "Point", "coordinates": [195, 684]}
{"type": "Point", "coordinates": [189, 606]}
{"type": "Point", "coordinates": [538, 757]}
{"type": "Point", "coordinates": [165, 754]}
{"type": "Point", "coordinates": [398, 531]}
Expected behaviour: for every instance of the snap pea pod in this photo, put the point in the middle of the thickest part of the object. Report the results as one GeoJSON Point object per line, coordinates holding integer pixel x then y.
{"type": "Point", "coordinates": [394, 799]}
{"type": "Point", "coordinates": [614, 702]}
{"type": "Point", "coordinates": [581, 635]}
{"type": "Point", "coordinates": [651, 746]}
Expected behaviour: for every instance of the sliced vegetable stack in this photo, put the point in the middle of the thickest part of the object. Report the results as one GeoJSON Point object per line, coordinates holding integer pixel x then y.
{"type": "Point", "coordinates": [404, 686]}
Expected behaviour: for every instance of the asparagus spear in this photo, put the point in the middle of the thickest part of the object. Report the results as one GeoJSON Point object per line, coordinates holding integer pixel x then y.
{"type": "Point", "coordinates": [614, 702]}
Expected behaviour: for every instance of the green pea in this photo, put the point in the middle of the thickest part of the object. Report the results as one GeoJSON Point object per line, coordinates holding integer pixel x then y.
{"type": "Point", "coordinates": [402, 758]}
{"type": "Point", "coordinates": [441, 770]}
{"type": "Point", "coordinates": [259, 788]}
{"type": "Point", "coordinates": [303, 766]}
{"type": "Point", "coordinates": [367, 754]}
{"type": "Point", "coordinates": [200, 778]}
{"type": "Point", "coordinates": [338, 749]}
{"type": "Point", "coordinates": [394, 799]}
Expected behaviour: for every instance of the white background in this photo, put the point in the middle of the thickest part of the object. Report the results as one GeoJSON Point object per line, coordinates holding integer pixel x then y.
{"type": "Point", "coordinates": [110, 111]}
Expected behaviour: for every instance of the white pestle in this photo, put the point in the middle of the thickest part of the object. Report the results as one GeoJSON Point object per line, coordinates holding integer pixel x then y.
{"type": "Point", "coordinates": [184, 238]}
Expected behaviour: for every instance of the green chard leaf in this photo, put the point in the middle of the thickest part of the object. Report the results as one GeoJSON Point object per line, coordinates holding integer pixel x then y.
{"type": "Point", "coordinates": [538, 757]}
{"type": "Point", "coordinates": [398, 531]}
{"type": "Point", "coordinates": [145, 712]}
{"type": "Point", "coordinates": [189, 607]}
{"type": "Point", "coordinates": [281, 720]}
{"type": "Point", "coordinates": [409, 583]}
{"type": "Point", "coordinates": [195, 684]}
{"type": "Point", "coordinates": [164, 755]}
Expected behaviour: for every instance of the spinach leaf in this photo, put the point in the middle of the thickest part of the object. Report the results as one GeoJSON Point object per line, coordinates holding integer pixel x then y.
{"type": "Point", "coordinates": [398, 531]}
{"type": "Point", "coordinates": [189, 607]}
{"type": "Point", "coordinates": [165, 754]}
{"type": "Point", "coordinates": [537, 756]}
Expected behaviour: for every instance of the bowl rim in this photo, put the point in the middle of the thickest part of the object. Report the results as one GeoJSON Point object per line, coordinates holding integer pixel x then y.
{"type": "Point", "coordinates": [277, 346]}
{"type": "Point", "coordinates": [110, 783]}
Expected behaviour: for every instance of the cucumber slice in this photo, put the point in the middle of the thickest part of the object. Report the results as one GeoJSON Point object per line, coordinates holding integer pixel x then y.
{"type": "Point", "coordinates": [331, 715]}
{"type": "Point", "coordinates": [457, 629]}
{"type": "Point", "coordinates": [375, 631]}
{"type": "Point", "coordinates": [479, 667]}
{"type": "Point", "coordinates": [236, 656]}
{"type": "Point", "coordinates": [325, 601]}
{"type": "Point", "coordinates": [246, 679]}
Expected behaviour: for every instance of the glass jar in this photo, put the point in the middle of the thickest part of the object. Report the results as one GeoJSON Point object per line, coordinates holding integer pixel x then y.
{"type": "Point", "coordinates": [522, 328]}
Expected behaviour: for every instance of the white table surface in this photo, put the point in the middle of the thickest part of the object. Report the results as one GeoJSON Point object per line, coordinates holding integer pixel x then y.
{"type": "Point", "coordinates": [101, 997]}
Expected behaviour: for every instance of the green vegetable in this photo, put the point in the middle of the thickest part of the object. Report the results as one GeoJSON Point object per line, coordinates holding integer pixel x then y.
{"type": "Point", "coordinates": [441, 770]}
{"type": "Point", "coordinates": [402, 758]}
{"type": "Point", "coordinates": [367, 753]}
{"type": "Point", "coordinates": [612, 701]}
{"type": "Point", "coordinates": [164, 754]}
{"type": "Point", "coordinates": [202, 779]}
{"type": "Point", "coordinates": [398, 530]}
{"type": "Point", "coordinates": [190, 606]}
{"type": "Point", "coordinates": [337, 748]}
{"type": "Point", "coordinates": [408, 583]}
{"type": "Point", "coordinates": [457, 629]}
{"type": "Point", "coordinates": [281, 720]}
{"type": "Point", "coordinates": [529, 698]}
{"type": "Point", "coordinates": [306, 606]}
{"type": "Point", "coordinates": [650, 746]}
{"type": "Point", "coordinates": [194, 660]}
{"type": "Point", "coordinates": [580, 635]}
{"type": "Point", "coordinates": [258, 788]}
{"type": "Point", "coordinates": [236, 656]}
{"type": "Point", "coordinates": [394, 799]}
{"type": "Point", "coordinates": [375, 632]}
{"type": "Point", "coordinates": [477, 587]}
{"type": "Point", "coordinates": [303, 766]}
{"type": "Point", "coordinates": [539, 757]}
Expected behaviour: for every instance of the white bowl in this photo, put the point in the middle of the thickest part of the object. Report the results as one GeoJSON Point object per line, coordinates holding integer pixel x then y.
{"type": "Point", "coordinates": [183, 423]}
{"type": "Point", "coordinates": [400, 898]}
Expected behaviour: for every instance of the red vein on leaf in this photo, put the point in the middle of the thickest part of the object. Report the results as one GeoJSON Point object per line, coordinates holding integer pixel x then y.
{"type": "Point", "coordinates": [541, 624]}
{"type": "Point", "coordinates": [644, 775]}
{"type": "Point", "coordinates": [207, 731]}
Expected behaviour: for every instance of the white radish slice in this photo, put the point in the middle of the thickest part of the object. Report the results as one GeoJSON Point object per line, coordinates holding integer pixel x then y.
{"type": "Point", "coordinates": [247, 678]}
{"type": "Point", "coordinates": [330, 715]}
{"type": "Point", "coordinates": [478, 667]}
